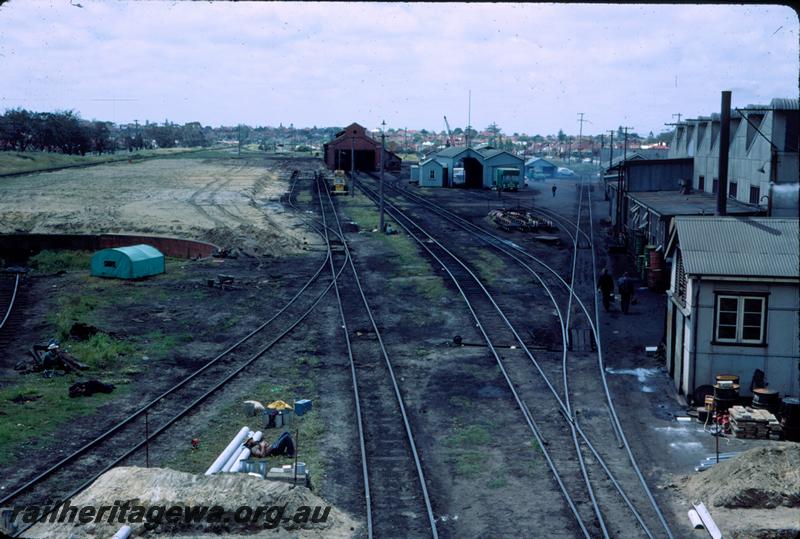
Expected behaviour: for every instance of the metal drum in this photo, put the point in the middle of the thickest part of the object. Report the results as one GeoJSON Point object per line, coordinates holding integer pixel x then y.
{"type": "Point", "coordinates": [790, 419]}
{"type": "Point", "coordinates": [728, 378]}
{"type": "Point", "coordinates": [766, 399]}
{"type": "Point", "coordinates": [725, 397]}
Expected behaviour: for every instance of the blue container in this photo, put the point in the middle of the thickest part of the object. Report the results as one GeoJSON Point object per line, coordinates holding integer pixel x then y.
{"type": "Point", "coordinates": [302, 406]}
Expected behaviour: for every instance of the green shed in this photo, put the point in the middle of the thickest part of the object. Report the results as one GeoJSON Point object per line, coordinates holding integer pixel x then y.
{"type": "Point", "coordinates": [131, 262]}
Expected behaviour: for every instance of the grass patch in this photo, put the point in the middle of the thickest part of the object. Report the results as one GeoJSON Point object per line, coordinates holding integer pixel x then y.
{"type": "Point", "coordinates": [489, 266]}
{"type": "Point", "coordinates": [52, 261]}
{"type": "Point", "coordinates": [408, 265]}
{"type": "Point", "coordinates": [14, 162]}
{"type": "Point", "coordinates": [73, 309]}
{"type": "Point", "coordinates": [466, 445]}
{"type": "Point", "coordinates": [100, 351]}
{"type": "Point", "coordinates": [54, 407]}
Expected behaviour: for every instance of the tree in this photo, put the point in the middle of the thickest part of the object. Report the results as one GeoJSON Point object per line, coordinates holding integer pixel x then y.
{"type": "Point", "coordinates": [101, 137]}
{"type": "Point", "coordinates": [561, 136]}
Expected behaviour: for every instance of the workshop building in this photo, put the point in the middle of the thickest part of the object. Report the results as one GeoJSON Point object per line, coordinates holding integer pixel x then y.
{"type": "Point", "coordinates": [734, 302]}
{"type": "Point", "coordinates": [354, 143]}
{"type": "Point", "coordinates": [457, 166]}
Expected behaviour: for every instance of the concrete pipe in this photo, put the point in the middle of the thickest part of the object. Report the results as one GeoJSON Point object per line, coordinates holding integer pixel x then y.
{"type": "Point", "coordinates": [245, 454]}
{"type": "Point", "coordinates": [228, 451]}
{"type": "Point", "coordinates": [123, 533]}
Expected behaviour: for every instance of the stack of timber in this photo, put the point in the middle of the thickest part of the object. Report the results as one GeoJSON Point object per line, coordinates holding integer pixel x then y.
{"type": "Point", "coordinates": [752, 423]}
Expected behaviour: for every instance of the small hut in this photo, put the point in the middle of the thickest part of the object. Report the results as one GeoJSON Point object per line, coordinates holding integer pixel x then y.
{"type": "Point", "coordinates": [133, 262]}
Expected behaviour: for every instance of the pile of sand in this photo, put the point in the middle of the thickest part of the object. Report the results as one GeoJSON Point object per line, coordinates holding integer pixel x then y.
{"type": "Point", "coordinates": [765, 477]}
{"type": "Point", "coordinates": [154, 487]}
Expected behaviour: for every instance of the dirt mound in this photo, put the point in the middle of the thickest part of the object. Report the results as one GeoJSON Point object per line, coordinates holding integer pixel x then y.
{"type": "Point", "coordinates": [764, 477]}
{"type": "Point", "coordinates": [232, 502]}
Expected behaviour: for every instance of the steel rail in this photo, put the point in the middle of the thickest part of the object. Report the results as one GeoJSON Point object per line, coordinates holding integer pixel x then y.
{"type": "Point", "coordinates": [395, 385]}
{"type": "Point", "coordinates": [565, 379]}
{"type": "Point", "coordinates": [609, 399]}
{"type": "Point", "coordinates": [119, 426]}
{"type": "Point", "coordinates": [504, 245]}
{"type": "Point", "coordinates": [11, 302]}
{"type": "Point", "coordinates": [398, 215]}
{"type": "Point", "coordinates": [354, 378]}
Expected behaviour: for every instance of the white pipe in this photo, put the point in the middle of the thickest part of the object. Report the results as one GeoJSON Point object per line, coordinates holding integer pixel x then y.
{"type": "Point", "coordinates": [233, 459]}
{"type": "Point", "coordinates": [123, 533]}
{"type": "Point", "coordinates": [697, 524]}
{"type": "Point", "coordinates": [238, 451]}
{"type": "Point", "coordinates": [245, 454]}
{"type": "Point", "coordinates": [228, 451]}
{"type": "Point", "coordinates": [708, 522]}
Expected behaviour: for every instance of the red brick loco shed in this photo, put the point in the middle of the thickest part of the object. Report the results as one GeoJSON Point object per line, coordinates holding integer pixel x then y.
{"type": "Point", "coordinates": [354, 139]}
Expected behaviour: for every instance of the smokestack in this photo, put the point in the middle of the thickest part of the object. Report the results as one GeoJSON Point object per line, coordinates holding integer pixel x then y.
{"type": "Point", "coordinates": [724, 147]}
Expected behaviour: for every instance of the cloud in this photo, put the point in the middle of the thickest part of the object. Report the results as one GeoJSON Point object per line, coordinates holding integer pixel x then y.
{"type": "Point", "coordinates": [531, 67]}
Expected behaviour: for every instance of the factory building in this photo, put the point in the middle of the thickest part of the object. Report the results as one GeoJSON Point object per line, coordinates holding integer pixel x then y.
{"type": "Point", "coordinates": [467, 167]}
{"type": "Point", "coordinates": [763, 164]}
{"type": "Point", "coordinates": [733, 302]}
{"type": "Point", "coordinates": [353, 142]}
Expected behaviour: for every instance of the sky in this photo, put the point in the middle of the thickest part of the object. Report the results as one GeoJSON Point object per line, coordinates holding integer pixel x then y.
{"type": "Point", "coordinates": [530, 67]}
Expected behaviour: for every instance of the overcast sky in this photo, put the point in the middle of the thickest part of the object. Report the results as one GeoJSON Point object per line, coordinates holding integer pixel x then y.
{"type": "Point", "coordinates": [531, 67]}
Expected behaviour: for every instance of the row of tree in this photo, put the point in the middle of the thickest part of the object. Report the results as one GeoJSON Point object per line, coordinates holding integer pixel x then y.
{"type": "Point", "coordinates": [65, 132]}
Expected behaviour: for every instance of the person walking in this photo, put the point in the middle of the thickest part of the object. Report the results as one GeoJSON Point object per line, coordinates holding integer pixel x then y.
{"type": "Point", "coordinates": [625, 286]}
{"type": "Point", "coordinates": [554, 190]}
{"type": "Point", "coordinates": [605, 284]}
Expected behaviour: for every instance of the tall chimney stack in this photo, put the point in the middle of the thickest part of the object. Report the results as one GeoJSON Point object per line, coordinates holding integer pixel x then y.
{"type": "Point", "coordinates": [724, 147]}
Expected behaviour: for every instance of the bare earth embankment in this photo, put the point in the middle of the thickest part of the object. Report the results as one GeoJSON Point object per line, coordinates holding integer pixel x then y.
{"type": "Point", "coordinates": [230, 202]}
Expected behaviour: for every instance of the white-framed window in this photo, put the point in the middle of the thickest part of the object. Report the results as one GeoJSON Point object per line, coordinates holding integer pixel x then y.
{"type": "Point", "coordinates": [740, 319]}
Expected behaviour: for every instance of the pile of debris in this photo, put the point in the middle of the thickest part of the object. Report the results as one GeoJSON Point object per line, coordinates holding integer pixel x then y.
{"type": "Point", "coordinates": [521, 220]}
{"type": "Point", "coordinates": [754, 423]}
{"type": "Point", "coordinates": [156, 491]}
{"type": "Point", "coordinates": [755, 494]}
{"type": "Point", "coordinates": [764, 477]}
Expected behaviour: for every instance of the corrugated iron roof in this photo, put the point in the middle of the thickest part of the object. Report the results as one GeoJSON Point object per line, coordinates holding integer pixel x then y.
{"type": "Point", "coordinates": [781, 103]}
{"type": "Point", "coordinates": [739, 246]}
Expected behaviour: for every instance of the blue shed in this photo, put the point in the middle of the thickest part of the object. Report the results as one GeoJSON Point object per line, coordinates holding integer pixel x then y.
{"type": "Point", "coordinates": [131, 262]}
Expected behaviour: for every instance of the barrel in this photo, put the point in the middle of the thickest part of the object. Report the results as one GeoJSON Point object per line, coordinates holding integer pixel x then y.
{"type": "Point", "coordinates": [656, 260]}
{"type": "Point", "coordinates": [766, 399]}
{"type": "Point", "coordinates": [728, 378]}
{"type": "Point", "coordinates": [725, 397]}
{"type": "Point", "coordinates": [655, 279]}
{"type": "Point", "coordinates": [790, 419]}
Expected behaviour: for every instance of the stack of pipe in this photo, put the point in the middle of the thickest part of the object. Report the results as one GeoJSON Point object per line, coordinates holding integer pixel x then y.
{"type": "Point", "coordinates": [235, 446]}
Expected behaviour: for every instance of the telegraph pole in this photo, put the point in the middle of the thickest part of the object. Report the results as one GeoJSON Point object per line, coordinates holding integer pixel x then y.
{"type": "Point", "coordinates": [580, 133]}
{"type": "Point", "coordinates": [383, 150]}
{"type": "Point", "coordinates": [610, 147]}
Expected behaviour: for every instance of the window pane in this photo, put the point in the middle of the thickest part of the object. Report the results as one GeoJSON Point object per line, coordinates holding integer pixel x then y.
{"type": "Point", "coordinates": [753, 305]}
{"type": "Point", "coordinates": [728, 304]}
{"type": "Point", "coordinates": [728, 319]}
{"type": "Point", "coordinates": [751, 333]}
{"type": "Point", "coordinates": [726, 332]}
{"type": "Point", "coordinates": [752, 319]}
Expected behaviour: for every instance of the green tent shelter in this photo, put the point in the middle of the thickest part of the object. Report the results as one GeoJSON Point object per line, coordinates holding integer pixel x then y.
{"type": "Point", "coordinates": [131, 262]}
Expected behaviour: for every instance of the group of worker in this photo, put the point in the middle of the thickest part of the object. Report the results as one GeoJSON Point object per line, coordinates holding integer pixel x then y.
{"type": "Point", "coordinates": [625, 286]}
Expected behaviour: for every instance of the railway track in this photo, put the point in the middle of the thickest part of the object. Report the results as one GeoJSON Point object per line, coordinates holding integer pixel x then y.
{"type": "Point", "coordinates": [71, 474]}
{"type": "Point", "coordinates": [612, 492]}
{"type": "Point", "coordinates": [395, 491]}
{"type": "Point", "coordinates": [9, 289]}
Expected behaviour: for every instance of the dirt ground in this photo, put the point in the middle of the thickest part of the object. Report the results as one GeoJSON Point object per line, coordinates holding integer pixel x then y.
{"type": "Point", "coordinates": [209, 196]}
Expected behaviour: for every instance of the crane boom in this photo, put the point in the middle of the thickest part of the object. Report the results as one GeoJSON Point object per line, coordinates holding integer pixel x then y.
{"type": "Point", "coordinates": [449, 134]}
